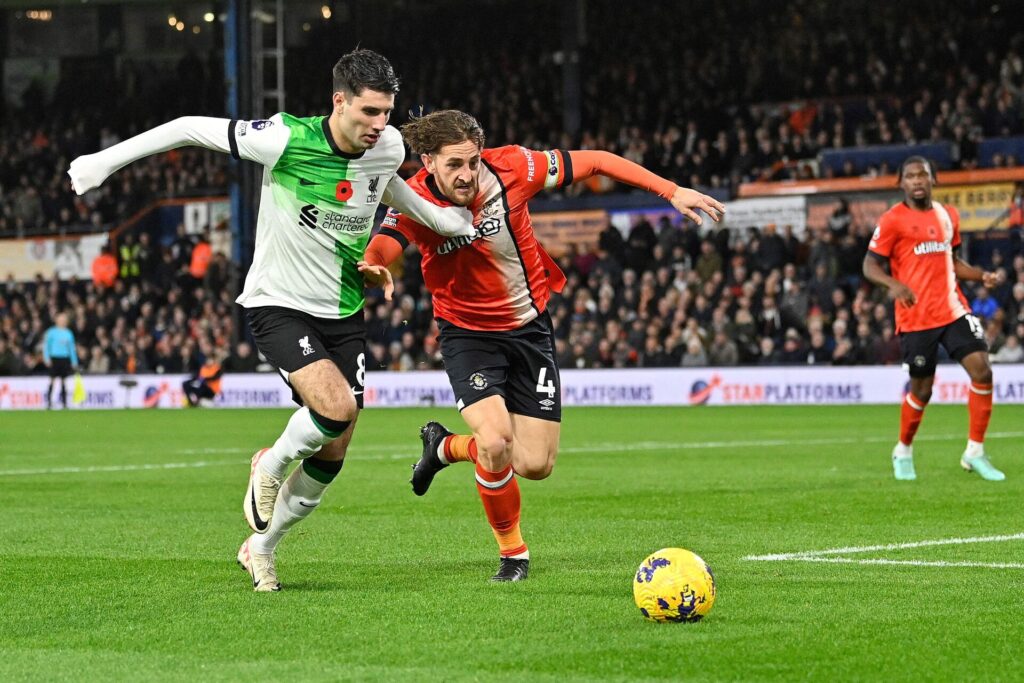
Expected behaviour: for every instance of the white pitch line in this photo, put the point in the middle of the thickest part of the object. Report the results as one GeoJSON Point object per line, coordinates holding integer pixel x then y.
{"type": "Point", "coordinates": [385, 451]}
{"type": "Point", "coordinates": [411, 451]}
{"type": "Point", "coordinates": [908, 563]}
{"type": "Point", "coordinates": [806, 554]}
{"type": "Point", "coordinates": [118, 468]}
{"type": "Point", "coordinates": [826, 556]}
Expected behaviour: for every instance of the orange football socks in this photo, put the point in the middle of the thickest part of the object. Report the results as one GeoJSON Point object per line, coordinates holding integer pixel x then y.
{"type": "Point", "coordinates": [459, 448]}
{"type": "Point", "coordinates": [910, 418]}
{"type": "Point", "coordinates": [979, 406]}
{"type": "Point", "coordinates": [499, 492]}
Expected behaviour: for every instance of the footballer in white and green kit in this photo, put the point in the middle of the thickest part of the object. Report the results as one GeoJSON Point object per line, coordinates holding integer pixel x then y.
{"type": "Point", "coordinates": [317, 208]}
{"type": "Point", "coordinates": [324, 178]}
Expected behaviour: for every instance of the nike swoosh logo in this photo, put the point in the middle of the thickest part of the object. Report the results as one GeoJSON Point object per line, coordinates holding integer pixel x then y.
{"type": "Point", "coordinates": [303, 181]}
{"type": "Point", "coordinates": [308, 506]}
{"type": "Point", "coordinates": [260, 524]}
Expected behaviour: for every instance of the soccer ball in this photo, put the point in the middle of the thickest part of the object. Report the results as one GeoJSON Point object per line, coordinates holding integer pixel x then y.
{"type": "Point", "coordinates": [674, 585]}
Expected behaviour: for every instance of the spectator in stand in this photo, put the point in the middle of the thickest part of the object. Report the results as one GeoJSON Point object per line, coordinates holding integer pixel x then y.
{"type": "Point", "coordinates": [129, 258]}
{"type": "Point", "coordinates": [99, 362]}
{"type": "Point", "coordinates": [840, 220]}
{"type": "Point", "coordinates": [771, 252]}
{"type": "Point", "coordinates": [710, 261]}
{"type": "Point", "coordinates": [242, 360]}
{"type": "Point", "coordinates": [984, 306]}
{"type": "Point", "coordinates": [768, 354]}
{"type": "Point", "coordinates": [200, 258]}
{"type": "Point", "coordinates": [1015, 219]}
{"type": "Point", "coordinates": [9, 362]}
{"type": "Point", "coordinates": [819, 352]}
{"type": "Point", "coordinates": [1011, 352]}
{"type": "Point", "coordinates": [695, 357]}
{"type": "Point", "coordinates": [104, 268]}
{"type": "Point", "coordinates": [793, 350]}
{"type": "Point", "coordinates": [724, 352]}
{"type": "Point", "coordinates": [181, 248]}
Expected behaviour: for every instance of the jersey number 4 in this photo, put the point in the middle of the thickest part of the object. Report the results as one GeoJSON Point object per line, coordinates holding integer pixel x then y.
{"type": "Point", "coordinates": [545, 387]}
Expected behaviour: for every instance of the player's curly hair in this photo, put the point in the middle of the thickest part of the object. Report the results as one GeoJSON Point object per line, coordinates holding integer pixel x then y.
{"type": "Point", "coordinates": [428, 134]}
{"type": "Point", "coordinates": [364, 69]}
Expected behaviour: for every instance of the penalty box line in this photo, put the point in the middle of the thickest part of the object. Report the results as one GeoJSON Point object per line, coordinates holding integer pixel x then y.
{"type": "Point", "coordinates": [833, 555]}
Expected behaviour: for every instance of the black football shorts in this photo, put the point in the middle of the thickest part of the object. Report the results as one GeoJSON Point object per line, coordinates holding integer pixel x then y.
{"type": "Point", "coordinates": [518, 365]}
{"type": "Point", "coordinates": [960, 338]}
{"type": "Point", "coordinates": [291, 340]}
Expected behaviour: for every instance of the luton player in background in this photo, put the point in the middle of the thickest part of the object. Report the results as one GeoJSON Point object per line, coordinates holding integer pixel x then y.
{"type": "Point", "coordinates": [918, 238]}
{"type": "Point", "coordinates": [490, 294]}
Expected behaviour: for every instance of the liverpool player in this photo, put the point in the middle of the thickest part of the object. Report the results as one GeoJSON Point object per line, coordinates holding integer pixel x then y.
{"type": "Point", "coordinates": [490, 295]}
{"type": "Point", "coordinates": [323, 179]}
{"type": "Point", "coordinates": [918, 238]}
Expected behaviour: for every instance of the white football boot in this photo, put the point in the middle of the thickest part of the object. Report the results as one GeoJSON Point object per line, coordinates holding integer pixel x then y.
{"type": "Point", "coordinates": [260, 567]}
{"type": "Point", "coordinates": [260, 496]}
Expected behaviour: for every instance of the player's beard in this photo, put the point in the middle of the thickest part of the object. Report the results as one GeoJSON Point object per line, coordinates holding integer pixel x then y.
{"type": "Point", "coordinates": [923, 202]}
{"type": "Point", "coordinates": [464, 199]}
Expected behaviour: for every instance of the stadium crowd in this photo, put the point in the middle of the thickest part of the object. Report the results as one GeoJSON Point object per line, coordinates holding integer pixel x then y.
{"type": "Point", "coordinates": [881, 76]}
{"type": "Point", "coordinates": [696, 111]}
{"type": "Point", "coordinates": [163, 311]}
{"type": "Point", "coordinates": [668, 296]}
{"type": "Point", "coordinates": [659, 296]}
{"type": "Point", "coordinates": [37, 144]}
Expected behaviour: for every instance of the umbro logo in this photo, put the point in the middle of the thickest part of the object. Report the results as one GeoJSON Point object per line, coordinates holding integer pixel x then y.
{"type": "Point", "coordinates": [306, 348]}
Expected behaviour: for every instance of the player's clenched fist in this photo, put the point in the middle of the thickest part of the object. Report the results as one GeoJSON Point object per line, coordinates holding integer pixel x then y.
{"type": "Point", "coordinates": [991, 280]}
{"type": "Point", "coordinates": [87, 172]}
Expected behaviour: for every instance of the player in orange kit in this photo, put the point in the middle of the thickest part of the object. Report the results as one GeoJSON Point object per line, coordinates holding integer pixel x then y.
{"type": "Point", "coordinates": [918, 238]}
{"type": "Point", "coordinates": [490, 294]}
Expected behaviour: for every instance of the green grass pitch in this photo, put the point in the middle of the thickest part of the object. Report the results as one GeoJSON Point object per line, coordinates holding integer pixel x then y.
{"type": "Point", "coordinates": [119, 532]}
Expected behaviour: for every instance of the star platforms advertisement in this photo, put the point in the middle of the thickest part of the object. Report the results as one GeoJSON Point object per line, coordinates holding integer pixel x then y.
{"type": "Point", "coordinates": [799, 385]}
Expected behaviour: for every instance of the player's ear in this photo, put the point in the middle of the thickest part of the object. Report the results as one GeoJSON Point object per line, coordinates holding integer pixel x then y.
{"type": "Point", "coordinates": [341, 99]}
{"type": "Point", "coordinates": [428, 163]}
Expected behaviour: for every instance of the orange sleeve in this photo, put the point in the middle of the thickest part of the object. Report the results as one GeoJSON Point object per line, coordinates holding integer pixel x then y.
{"type": "Point", "coordinates": [587, 163]}
{"type": "Point", "coordinates": [383, 250]}
{"type": "Point", "coordinates": [884, 238]}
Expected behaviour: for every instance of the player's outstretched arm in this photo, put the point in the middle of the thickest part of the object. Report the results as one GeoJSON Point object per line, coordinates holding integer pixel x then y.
{"type": "Point", "coordinates": [90, 170]}
{"type": "Point", "coordinates": [587, 163]}
{"type": "Point", "coordinates": [447, 221]}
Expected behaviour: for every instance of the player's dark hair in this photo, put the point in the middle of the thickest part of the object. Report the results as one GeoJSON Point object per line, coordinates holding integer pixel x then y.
{"type": "Point", "coordinates": [428, 134]}
{"type": "Point", "coordinates": [364, 69]}
{"type": "Point", "coordinates": [917, 159]}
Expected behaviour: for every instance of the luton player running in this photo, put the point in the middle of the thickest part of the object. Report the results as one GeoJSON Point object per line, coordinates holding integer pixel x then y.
{"type": "Point", "coordinates": [918, 238]}
{"type": "Point", "coordinates": [324, 178]}
{"type": "Point", "coordinates": [490, 295]}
